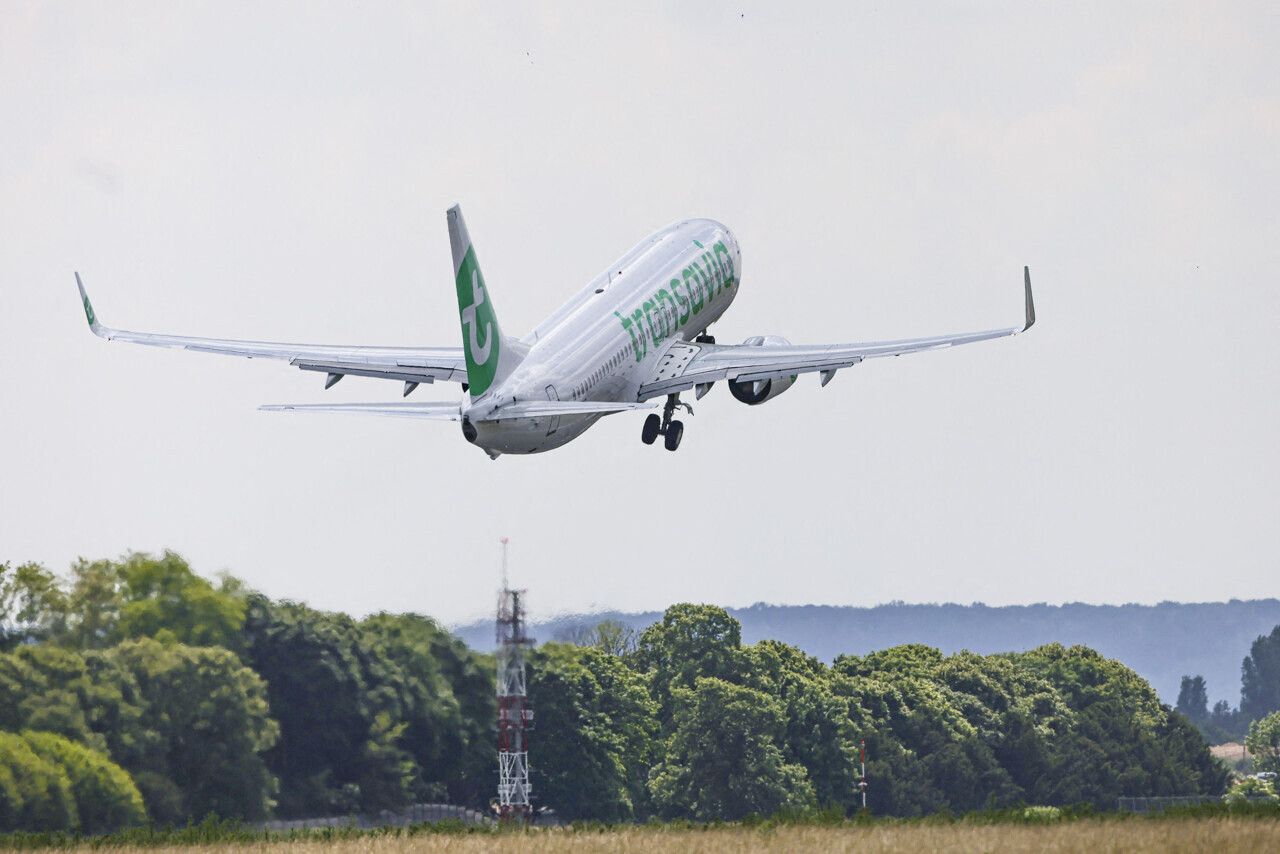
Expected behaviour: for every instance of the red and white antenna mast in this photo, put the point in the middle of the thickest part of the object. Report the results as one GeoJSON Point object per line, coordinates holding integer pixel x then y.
{"type": "Point", "coordinates": [862, 784]}
{"type": "Point", "coordinates": [515, 719]}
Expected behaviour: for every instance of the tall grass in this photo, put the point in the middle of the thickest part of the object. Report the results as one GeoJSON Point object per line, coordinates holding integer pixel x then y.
{"type": "Point", "coordinates": [1240, 829]}
{"type": "Point", "coordinates": [1091, 836]}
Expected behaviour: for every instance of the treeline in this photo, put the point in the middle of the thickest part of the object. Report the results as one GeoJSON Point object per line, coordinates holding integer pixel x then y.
{"type": "Point", "coordinates": [1259, 694]}
{"type": "Point", "coordinates": [690, 722]}
{"type": "Point", "coordinates": [214, 699]}
{"type": "Point", "coordinates": [1161, 642]}
{"type": "Point", "coordinates": [169, 696]}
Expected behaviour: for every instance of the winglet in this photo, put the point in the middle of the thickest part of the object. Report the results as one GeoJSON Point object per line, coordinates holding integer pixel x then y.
{"type": "Point", "coordinates": [88, 308]}
{"type": "Point", "coordinates": [1031, 306]}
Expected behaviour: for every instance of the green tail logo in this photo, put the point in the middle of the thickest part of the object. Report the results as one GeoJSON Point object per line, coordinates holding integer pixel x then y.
{"type": "Point", "coordinates": [479, 326]}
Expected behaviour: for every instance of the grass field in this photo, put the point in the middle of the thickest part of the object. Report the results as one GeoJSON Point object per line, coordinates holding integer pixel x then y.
{"type": "Point", "coordinates": [1090, 836]}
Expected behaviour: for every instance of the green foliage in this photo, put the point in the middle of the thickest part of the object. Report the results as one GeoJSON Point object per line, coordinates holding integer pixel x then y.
{"type": "Point", "coordinates": [186, 723]}
{"type": "Point", "coordinates": [1252, 787]}
{"type": "Point", "coordinates": [144, 661]}
{"type": "Point", "coordinates": [691, 642]}
{"type": "Point", "coordinates": [373, 714]}
{"type": "Point", "coordinates": [82, 697]}
{"type": "Point", "coordinates": [104, 602]}
{"type": "Point", "coordinates": [1263, 742]}
{"type": "Point", "coordinates": [209, 720]}
{"type": "Point", "coordinates": [318, 692]}
{"type": "Point", "coordinates": [35, 793]}
{"type": "Point", "coordinates": [105, 796]}
{"type": "Point", "coordinates": [30, 603]}
{"type": "Point", "coordinates": [818, 734]}
{"type": "Point", "coordinates": [1260, 678]}
{"type": "Point", "coordinates": [163, 599]}
{"type": "Point", "coordinates": [1221, 725]}
{"type": "Point", "coordinates": [446, 697]}
{"type": "Point", "coordinates": [594, 740]}
{"type": "Point", "coordinates": [1193, 699]}
{"type": "Point", "coordinates": [723, 760]}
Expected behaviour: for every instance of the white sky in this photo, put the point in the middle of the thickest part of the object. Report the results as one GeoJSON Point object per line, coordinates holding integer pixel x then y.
{"type": "Point", "coordinates": [281, 172]}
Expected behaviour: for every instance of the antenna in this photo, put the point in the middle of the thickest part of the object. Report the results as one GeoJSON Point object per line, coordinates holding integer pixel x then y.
{"type": "Point", "coordinates": [515, 718]}
{"type": "Point", "coordinates": [505, 542]}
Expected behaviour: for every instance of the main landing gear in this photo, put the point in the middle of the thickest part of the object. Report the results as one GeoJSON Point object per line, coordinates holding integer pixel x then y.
{"type": "Point", "coordinates": [672, 431]}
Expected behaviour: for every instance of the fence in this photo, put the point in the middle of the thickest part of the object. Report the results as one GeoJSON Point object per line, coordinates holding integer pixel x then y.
{"type": "Point", "coordinates": [415, 814]}
{"type": "Point", "coordinates": [1145, 805]}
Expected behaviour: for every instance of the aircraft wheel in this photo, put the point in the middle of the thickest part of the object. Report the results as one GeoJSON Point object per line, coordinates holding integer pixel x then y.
{"type": "Point", "coordinates": [675, 431]}
{"type": "Point", "coordinates": [652, 425]}
{"type": "Point", "coordinates": [705, 339]}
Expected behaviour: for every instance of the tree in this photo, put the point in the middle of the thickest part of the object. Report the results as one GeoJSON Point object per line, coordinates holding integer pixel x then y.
{"type": "Point", "coordinates": [105, 796]}
{"type": "Point", "coordinates": [92, 606]}
{"type": "Point", "coordinates": [691, 642]}
{"type": "Point", "coordinates": [104, 602]}
{"type": "Point", "coordinates": [163, 598]}
{"type": "Point", "coordinates": [31, 604]}
{"type": "Point", "coordinates": [593, 743]}
{"type": "Point", "coordinates": [209, 724]}
{"type": "Point", "coordinates": [1263, 742]}
{"type": "Point", "coordinates": [444, 694]}
{"type": "Point", "coordinates": [1260, 678]}
{"type": "Point", "coordinates": [312, 664]}
{"type": "Point", "coordinates": [818, 734]}
{"type": "Point", "coordinates": [371, 714]}
{"type": "Point", "coordinates": [723, 759]}
{"type": "Point", "coordinates": [1193, 699]}
{"type": "Point", "coordinates": [34, 793]}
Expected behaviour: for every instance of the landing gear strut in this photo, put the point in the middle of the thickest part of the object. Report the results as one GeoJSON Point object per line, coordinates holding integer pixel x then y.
{"type": "Point", "coordinates": [669, 429]}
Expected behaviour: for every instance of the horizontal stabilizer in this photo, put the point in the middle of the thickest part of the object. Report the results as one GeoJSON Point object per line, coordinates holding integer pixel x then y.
{"type": "Point", "coordinates": [433, 411]}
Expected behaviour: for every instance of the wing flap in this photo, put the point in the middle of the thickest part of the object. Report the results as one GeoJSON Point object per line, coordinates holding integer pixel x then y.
{"type": "Point", "coordinates": [405, 373]}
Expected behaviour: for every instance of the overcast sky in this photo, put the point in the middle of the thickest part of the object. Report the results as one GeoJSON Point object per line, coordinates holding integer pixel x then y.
{"type": "Point", "coordinates": [282, 171]}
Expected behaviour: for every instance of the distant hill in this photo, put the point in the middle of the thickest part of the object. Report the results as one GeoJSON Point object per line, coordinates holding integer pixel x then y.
{"type": "Point", "coordinates": [1161, 642]}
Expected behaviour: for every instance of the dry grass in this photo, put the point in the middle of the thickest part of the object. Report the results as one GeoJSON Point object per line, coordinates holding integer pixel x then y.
{"type": "Point", "coordinates": [1235, 835]}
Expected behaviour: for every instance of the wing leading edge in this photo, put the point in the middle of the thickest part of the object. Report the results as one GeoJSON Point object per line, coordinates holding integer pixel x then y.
{"type": "Point", "coordinates": [410, 365]}
{"type": "Point", "coordinates": [686, 366]}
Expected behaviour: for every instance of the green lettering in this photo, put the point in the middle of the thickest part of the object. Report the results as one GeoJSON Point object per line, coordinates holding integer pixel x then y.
{"type": "Point", "coordinates": [642, 348]}
{"type": "Point", "coordinates": [626, 324]}
{"type": "Point", "coordinates": [706, 280]}
{"type": "Point", "coordinates": [682, 300]}
{"type": "Point", "coordinates": [648, 307]}
{"type": "Point", "coordinates": [698, 296]}
{"type": "Point", "coordinates": [721, 249]}
{"type": "Point", "coordinates": [667, 307]}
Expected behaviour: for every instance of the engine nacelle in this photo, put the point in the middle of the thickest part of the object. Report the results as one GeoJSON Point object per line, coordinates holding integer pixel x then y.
{"type": "Point", "coordinates": [753, 392]}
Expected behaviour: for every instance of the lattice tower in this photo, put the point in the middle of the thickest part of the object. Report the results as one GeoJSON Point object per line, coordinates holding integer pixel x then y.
{"type": "Point", "coordinates": [515, 718]}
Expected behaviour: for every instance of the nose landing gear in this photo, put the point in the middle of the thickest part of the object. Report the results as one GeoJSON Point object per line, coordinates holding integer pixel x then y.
{"type": "Point", "coordinates": [672, 431]}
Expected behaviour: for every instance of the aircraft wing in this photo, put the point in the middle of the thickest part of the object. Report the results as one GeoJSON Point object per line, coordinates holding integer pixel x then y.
{"type": "Point", "coordinates": [410, 365]}
{"type": "Point", "coordinates": [689, 365]}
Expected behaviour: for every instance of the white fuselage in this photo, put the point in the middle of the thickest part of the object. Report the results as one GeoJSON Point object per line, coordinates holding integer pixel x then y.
{"type": "Point", "coordinates": [603, 343]}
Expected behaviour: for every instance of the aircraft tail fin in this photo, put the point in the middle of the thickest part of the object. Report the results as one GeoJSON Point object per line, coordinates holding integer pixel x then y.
{"type": "Point", "coordinates": [491, 356]}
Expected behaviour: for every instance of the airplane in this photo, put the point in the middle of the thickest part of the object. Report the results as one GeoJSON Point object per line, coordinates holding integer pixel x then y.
{"type": "Point", "coordinates": [635, 335]}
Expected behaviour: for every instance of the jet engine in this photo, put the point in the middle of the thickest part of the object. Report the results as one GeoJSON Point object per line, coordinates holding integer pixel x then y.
{"type": "Point", "coordinates": [753, 392]}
